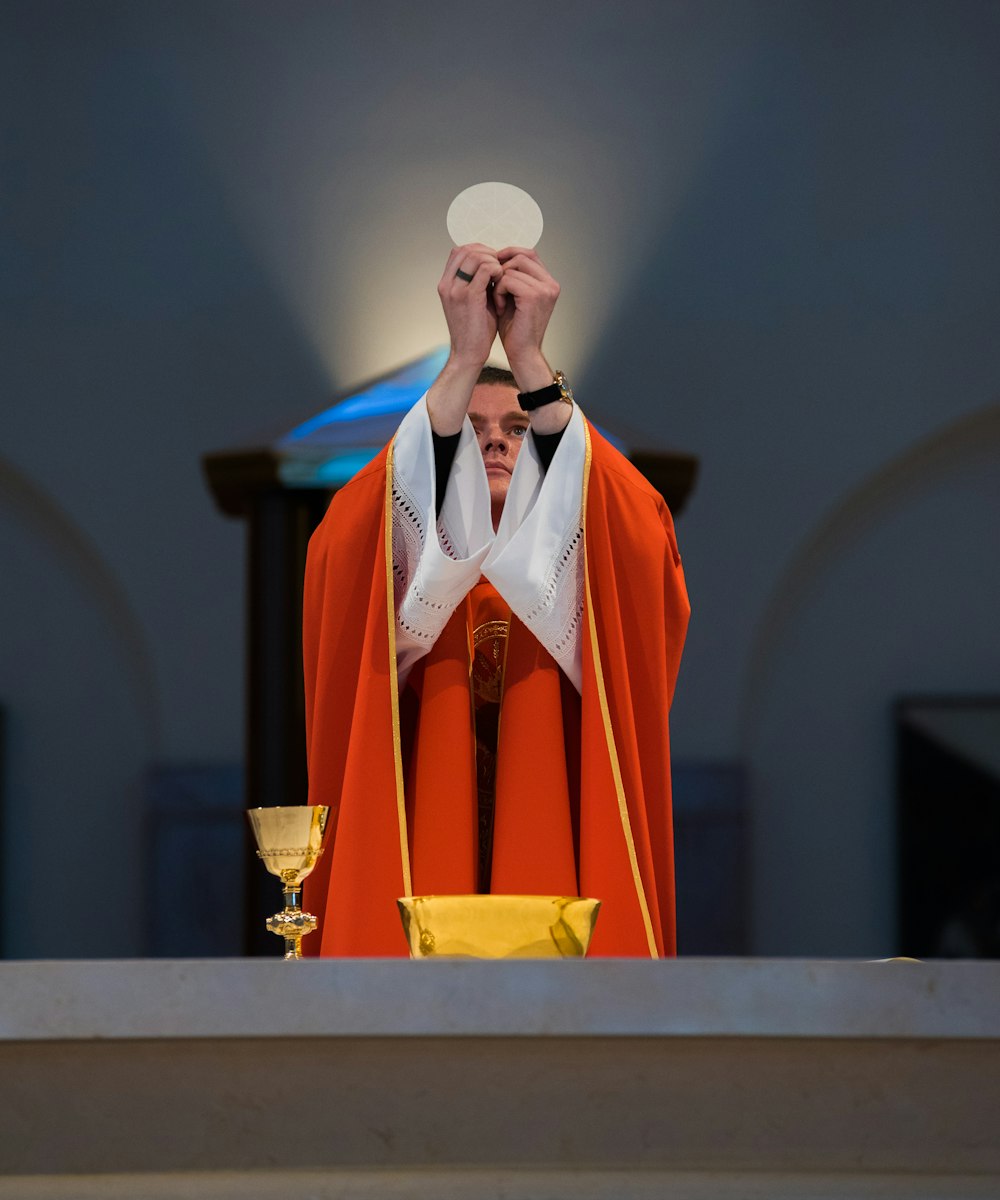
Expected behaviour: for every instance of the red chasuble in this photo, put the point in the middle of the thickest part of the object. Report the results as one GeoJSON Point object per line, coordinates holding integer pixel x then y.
{"type": "Point", "coordinates": [582, 782]}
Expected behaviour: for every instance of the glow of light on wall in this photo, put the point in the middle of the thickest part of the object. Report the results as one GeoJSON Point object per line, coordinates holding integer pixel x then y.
{"type": "Point", "coordinates": [361, 280]}
{"type": "Point", "coordinates": [345, 212]}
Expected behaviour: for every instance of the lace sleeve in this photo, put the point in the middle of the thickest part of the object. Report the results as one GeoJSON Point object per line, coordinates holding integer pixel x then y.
{"type": "Point", "coordinates": [555, 613]}
{"type": "Point", "coordinates": [537, 563]}
{"type": "Point", "coordinates": [435, 561]}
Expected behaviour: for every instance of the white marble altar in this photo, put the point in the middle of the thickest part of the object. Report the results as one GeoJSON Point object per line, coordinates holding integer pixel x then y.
{"type": "Point", "coordinates": [363, 1078]}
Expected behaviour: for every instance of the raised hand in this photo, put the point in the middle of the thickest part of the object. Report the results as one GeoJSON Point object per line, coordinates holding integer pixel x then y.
{"type": "Point", "coordinates": [466, 292]}
{"type": "Point", "coordinates": [467, 300]}
{"type": "Point", "coordinates": [524, 298]}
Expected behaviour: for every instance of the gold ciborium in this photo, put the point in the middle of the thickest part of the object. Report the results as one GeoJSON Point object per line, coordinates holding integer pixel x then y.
{"type": "Point", "coordinates": [290, 841]}
{"type": "Point", "coordinates": [498, 926]}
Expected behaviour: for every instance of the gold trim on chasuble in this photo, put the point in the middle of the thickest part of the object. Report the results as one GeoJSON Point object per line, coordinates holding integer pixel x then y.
{"type": "Point", "coordinates": [487, 672]}
{"type": "Point", "coordinates": [609, 733]}
{"type": "Point", "coordinates": [488, 684]}
{"type": "Point", "coordinates": [397, 744]}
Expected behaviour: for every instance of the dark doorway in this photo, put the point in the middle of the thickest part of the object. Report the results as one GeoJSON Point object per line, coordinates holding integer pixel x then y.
{"type": "Point", "coordinates": [948, 788]}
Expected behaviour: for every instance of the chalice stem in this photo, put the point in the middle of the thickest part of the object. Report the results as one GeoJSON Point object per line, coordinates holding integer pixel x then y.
{"type": "Point", "coordinates": [293, 907]}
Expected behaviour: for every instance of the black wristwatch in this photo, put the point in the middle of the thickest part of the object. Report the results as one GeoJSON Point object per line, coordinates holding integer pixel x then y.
{"type": "Point", "coordinates": [558, 390]}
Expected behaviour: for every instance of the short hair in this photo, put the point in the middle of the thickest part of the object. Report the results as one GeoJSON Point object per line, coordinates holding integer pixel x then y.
{"type": "Point", "coordinates": [497, 375]}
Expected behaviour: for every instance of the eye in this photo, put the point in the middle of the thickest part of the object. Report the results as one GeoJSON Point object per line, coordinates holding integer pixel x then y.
{"type": "Point", "coordinates": [519, 430]}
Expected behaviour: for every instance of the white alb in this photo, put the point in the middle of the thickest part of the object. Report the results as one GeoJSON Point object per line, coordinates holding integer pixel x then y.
{"type": "Point", "coordinates": [534, 560]}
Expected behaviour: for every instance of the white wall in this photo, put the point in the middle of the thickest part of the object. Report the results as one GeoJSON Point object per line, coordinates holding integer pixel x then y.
{"type": "Point", "coordinates": [775, 228]}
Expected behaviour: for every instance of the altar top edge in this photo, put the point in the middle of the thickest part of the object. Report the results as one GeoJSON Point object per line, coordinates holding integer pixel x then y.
{"type": "Point", "coordinates": [74, 1000]}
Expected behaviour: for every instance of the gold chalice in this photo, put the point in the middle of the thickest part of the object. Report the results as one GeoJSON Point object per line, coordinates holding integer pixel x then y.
{"type": "Point", "coordinates": [498, 926]}
{"type": "Point", "coordinates": [290, 841]}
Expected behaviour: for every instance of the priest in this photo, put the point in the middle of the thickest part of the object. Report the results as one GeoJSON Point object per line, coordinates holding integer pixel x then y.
{"type": "Point", "coordinates": [493, 620]}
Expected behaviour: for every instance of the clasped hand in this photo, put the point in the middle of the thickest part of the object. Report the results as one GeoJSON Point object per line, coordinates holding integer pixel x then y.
{"type": "Point", "coordinates": [485, 292]}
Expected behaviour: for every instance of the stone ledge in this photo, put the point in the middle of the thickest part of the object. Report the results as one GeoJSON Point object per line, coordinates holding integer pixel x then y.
{"type": "Point", "coordinates": [269, 998]}
{"type": "Point", "coordinates": [497, 1184]}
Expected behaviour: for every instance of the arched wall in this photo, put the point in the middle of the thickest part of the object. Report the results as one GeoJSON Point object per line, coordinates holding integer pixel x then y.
{"type": "Point", "coordinates": [77, 684]}
{"type": "Point", "coordinates": [896, 592]}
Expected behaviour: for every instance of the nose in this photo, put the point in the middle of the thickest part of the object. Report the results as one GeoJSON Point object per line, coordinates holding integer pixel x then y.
{"type": "Point", "coordinates": [493, 438]}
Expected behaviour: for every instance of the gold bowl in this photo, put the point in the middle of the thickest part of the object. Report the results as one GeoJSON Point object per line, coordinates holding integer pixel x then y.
{"type": "Point", "coordinates": [498, 926]}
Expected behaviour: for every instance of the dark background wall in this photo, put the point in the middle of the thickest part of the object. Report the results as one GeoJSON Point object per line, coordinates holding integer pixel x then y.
{"type": "Point", "coordinates": [776, 228]}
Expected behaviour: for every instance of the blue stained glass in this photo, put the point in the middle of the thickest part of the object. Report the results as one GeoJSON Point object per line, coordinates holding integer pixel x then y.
{"type": "Point", "coordinates": [336, 471]}
{"type": "Point", "coordinates": [390, 396]}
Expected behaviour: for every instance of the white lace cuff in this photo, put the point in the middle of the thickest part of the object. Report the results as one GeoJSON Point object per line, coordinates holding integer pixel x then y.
{"type": "Point", "coordinates": [536, 562]}
{"type": "Point", "coordinates": [435, 561]}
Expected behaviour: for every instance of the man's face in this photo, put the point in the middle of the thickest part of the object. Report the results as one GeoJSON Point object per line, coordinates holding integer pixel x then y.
{"type": "Point", "coordinates": [500, 426]}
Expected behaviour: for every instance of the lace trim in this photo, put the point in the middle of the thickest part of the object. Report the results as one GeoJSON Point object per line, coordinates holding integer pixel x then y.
{"type": "Point", "coordinates": [420, 617]}
{"type": "Point", "coordinates": [557, 610]}
{"type": "Point", "coordinates": [554, 615]}
{"type": "Point", "coordinates": [446, 541]}
{"type": "Point", "coordinates": [407, 535]}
